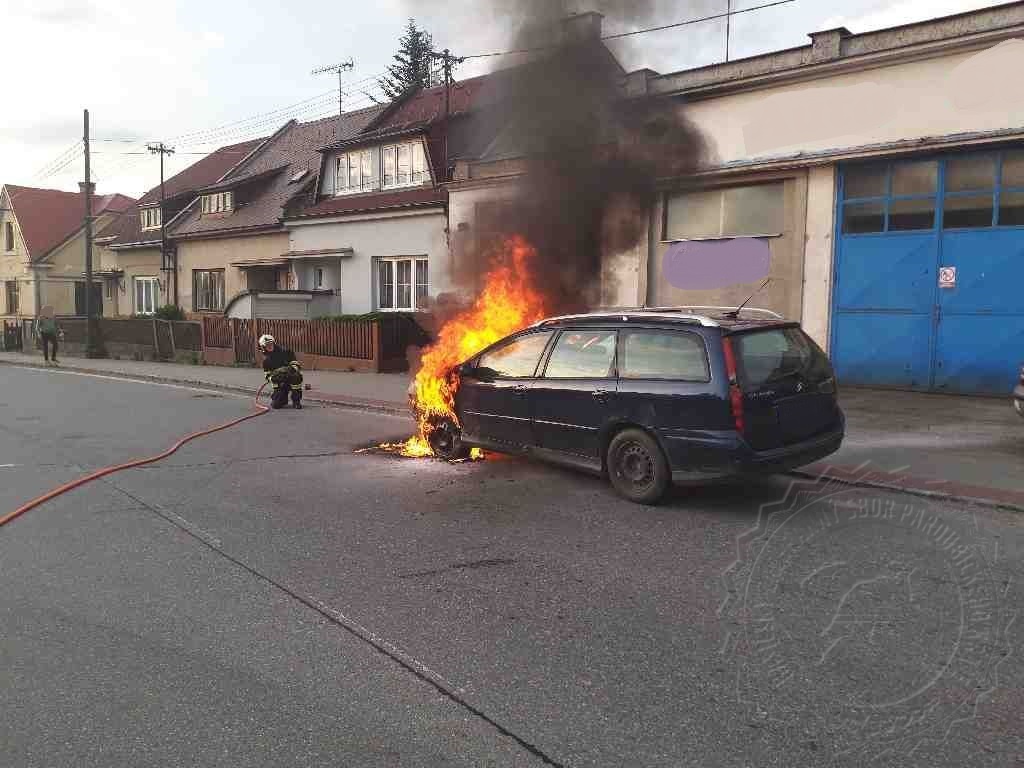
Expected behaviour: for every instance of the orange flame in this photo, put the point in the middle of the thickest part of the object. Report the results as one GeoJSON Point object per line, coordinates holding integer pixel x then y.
{"type": "Point", "coordinates": [508, 303]}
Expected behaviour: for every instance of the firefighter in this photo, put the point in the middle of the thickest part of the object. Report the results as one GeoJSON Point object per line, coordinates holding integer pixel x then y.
{"type": "Point", "coordinates": [283, 371]}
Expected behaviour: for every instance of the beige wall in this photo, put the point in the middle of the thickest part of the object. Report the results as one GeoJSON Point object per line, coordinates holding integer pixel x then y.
{"type": "Point", "coordinates": [941, 96]}
{"type": "Point", "coordinates": [820, 240]}
{"type": "Point", "coordinates": [65, 267]}
{"type": "Point", "coordinates": [134, 262]}
{"type": "Point", "coordinates": [218, 253]}
{"type": "Point", "coordinates": [784, 294]}
{"type": "Point", "coordinates": [12, 264]}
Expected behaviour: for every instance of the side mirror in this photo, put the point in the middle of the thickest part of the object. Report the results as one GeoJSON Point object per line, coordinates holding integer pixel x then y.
{"type": "Point", "coordinates": [466, 369]}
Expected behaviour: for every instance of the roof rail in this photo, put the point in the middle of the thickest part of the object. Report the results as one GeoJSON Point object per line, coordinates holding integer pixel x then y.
{"type": "Point", "coordinates": [698, 309]}
{"type": "Point", "coordinates": [623, 313]}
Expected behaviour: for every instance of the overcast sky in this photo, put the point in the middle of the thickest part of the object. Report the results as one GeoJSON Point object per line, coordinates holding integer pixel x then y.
{"type": "Point", "coordinates": [197, 73]}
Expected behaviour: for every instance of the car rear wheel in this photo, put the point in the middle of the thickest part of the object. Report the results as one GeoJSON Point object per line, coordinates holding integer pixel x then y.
{"type": "Point", "coordinates": [446, 441]}
{"type": "Point", "coordinates": [637, 467]}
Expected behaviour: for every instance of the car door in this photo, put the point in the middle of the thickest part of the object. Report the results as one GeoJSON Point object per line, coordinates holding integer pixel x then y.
{"type": "Point", "coordinates": [492, 400]}
{"type": "Point", "coordinates": [573, 396]}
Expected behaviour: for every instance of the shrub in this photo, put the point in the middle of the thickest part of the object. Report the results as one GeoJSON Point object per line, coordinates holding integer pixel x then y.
{"type": "Point", "coordinates": [169, 312]}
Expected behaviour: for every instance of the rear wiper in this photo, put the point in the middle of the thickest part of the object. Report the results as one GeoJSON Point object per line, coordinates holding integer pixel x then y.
{"type": "Point", "coordinates": [735, 314]}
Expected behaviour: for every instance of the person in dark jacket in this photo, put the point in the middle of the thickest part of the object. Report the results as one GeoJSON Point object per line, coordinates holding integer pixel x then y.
{"type": "Point", "coordinates": [48, 330]}
{"type": "Point", "coordinates": [283, 371]}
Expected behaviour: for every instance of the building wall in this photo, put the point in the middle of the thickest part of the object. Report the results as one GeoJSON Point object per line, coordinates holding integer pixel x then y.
{"type": "Point", "coordinates": [218, 253]}
{"type": "Point", "coordinates": [940, 96]}
{"type": "Point", "coordinates": [818, 253]}
{"type": "Point", "coordinates": [66, 266]}
{"type": "Point", "coordinates": [135, 262]}
{"type": "Point", "coordinates": [414, 233]}
{"type": "Point", "coordinates": [304, 279]}
{"type": "Point", "coordinates": [13, 266]}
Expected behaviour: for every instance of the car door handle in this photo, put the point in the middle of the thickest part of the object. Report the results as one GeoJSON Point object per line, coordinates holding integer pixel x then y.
{"type": "Point", "coordinates": [601, 395]}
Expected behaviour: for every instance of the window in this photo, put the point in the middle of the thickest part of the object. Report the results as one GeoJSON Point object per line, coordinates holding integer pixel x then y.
{"type": "Point", "coordinates": [1011, 193]}
{"type": "Point", "coordinates": [208, 290]}
{"type": "Point", "coordinates": [12, 297]}
{"type": "Point", "coordinates": [356, 172]}
{"type": "Point", "coordinates": [733, 212]}
{"type": "Point", "coordinates": [150, 218]}
{"type": "Point", "coordinates": [8, 235]}
{"type": "Point", "coordinates": [219, 202]}
{"type": "Point", "coordinates": [146, 290]}
{"type": "Point", "coordinates": [318, 278]}
{"type": "Point", "coordinates": [582, 355]}
{"type": "Point", "coordinates": [405, 165]}
{"type": "Point", "coordinates": [402, 284]}
{"type": "Point", "coordinates": [517, 359]}
{"type": "Point", "coordinates": [663, 355]}
{"type": "Point", "coordinates": [110, 288]}
{"type": "Point", "coordinates": [769, 356]}
{"type": "Point", "coordinates": [896, 197]}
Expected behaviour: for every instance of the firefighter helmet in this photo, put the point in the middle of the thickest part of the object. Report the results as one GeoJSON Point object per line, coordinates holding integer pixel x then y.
{"type": "Point", "coordinates": [264, 340]}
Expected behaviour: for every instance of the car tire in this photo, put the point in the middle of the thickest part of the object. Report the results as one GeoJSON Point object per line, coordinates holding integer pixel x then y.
{"type": "Point", "coordinates": [446, 441]}
{"type": "Point", "coordinates": [637, 467]}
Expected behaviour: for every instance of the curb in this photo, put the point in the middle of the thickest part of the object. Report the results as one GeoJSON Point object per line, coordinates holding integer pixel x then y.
{"type": "Point", "coordinates": [916, 486]}
{"type": "Point", "coordinates": [330, 401]}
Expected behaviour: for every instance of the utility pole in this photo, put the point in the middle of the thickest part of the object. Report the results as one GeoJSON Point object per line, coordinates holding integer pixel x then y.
{"type": "Point", "coordinates": [345, 66]}
{"type": "Point", "coordinates": [728, 26]}
{"type": "Point", "coordinates": [87, 187]}
{"type": "Point", "coordinates": [161, 149]}
{"type": "Point", "coordinates": [448, 62]}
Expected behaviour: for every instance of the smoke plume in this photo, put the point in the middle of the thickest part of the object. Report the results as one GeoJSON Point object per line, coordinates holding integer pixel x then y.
{"type": "Point", "coordinates": [592, 157]}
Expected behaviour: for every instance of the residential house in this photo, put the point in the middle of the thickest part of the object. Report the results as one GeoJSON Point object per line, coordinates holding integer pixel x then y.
{"type": "Point", "coordinates": [376, 216]}
{"type": "Point", "coordinates": [891, 213]}
{"type": "Point", "coordinates": [138, 279]}
{"type": "Point", "coordinates": [233, 248]}
{"type": "Point", "coordinates": [42, 236]}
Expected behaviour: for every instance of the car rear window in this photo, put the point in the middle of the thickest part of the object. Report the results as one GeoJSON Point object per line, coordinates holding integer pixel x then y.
{"type": "Point", "coordinates": [774, 354]}
{"type": "Point", "coordinates": [650, 354]}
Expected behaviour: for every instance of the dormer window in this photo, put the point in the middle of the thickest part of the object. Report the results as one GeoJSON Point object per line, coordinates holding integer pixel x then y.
{"type": "Point", "coordinates": [405, 165]}
{"type": "Point", "coordinates": [356, 172]}
{"type": "Point", "coordinates": [150, 218]}
{"type": "Point", "coordinates": [219, 202]}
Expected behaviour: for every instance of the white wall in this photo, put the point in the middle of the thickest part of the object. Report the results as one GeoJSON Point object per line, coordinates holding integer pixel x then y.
{"type": "Point", "coordinates": [818, 253]}
{"type": "Point", "coordinates": [417, 233]}
{"type": "Point", "coordinates": [948, 95]}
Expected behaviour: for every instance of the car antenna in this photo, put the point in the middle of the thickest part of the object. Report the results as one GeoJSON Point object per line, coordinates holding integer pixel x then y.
{"type": "Point", "coordinates": [736, 312]}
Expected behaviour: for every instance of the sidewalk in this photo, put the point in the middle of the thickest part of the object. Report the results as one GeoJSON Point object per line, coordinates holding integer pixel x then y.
{"type": "Point", "coordinates": [964, 448]}
{"type": "Point", "coordinates": [383, 391]}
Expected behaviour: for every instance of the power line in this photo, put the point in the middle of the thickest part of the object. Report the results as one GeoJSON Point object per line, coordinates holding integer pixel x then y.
{"type": "Point", "coordinates": [620, 35]}
{"type": "Point", "coordinates": [77, 146]}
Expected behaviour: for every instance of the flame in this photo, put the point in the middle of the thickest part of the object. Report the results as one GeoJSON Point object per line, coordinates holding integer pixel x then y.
{"type": "Point", "coordinates": [508, 303]}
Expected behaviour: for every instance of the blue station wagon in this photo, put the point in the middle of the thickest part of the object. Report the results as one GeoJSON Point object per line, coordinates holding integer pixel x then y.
{"type": "Point", "coordinates": [652, 397]}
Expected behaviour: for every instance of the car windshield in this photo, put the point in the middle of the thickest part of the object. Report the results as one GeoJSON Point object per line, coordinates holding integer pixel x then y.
{"type": "Point", "coordinates": [774, 354]}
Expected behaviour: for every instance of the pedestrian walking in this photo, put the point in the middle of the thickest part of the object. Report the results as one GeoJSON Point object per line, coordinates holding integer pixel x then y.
{"type": "Point", "coordinates": [48, 331]}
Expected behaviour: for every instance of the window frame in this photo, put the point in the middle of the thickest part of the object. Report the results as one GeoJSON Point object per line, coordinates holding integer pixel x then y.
{"type": "Point", "coordinates": [416, 150]}
{"type": "Point", "coordinates": [613, 374]}
{"type": "Point", "coordinates": [499, 345]}
{"type": "Point", "coordinates": [721, 191]}
{"type": "Point", "coordinates": [12, 291]}
{"type": "Point", "coordinates": [217, 202]}
{"type": "Point", "coordinates": [996, 190]}
{"type": "Point", "coordinates": [138, 282]}
{"type": "Point", "coordinates": [151, 218]}
{"type": "Point", "coordinates": [10, 241]}
{"type": "Point", "coordinates": [318, 278]}
{"type": "Point", "coordinates": [414, 262]}
{"type": "Point", "coordinates": [196, 277]}
{"type": "Point", "coordinates": [621, 355]}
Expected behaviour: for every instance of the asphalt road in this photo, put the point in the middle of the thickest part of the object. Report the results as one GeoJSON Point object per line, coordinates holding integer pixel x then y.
{"type": "Point", "coordinates": [268, 597]}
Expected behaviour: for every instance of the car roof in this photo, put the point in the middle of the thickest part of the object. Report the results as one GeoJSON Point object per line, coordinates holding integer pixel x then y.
{"type": "Point", "coordinates": [708, 317]}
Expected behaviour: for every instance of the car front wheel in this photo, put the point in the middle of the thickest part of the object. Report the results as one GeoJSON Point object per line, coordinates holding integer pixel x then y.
{"type": "Point", "coordinates": [446, 441]}
{"type": "Point", "coordinates": [637, 467]}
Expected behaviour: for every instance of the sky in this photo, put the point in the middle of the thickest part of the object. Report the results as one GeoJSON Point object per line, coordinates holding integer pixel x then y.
{"type": "Point", "coordinates": [198, 74]}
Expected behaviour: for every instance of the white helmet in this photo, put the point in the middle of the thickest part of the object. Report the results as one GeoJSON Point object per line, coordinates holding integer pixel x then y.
{"type": "Point", "coordinates": [265, 339]}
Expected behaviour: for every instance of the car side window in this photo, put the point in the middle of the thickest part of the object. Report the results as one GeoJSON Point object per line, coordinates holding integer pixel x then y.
{"type": "Point", "coordinates": [582, 354]}
{"type": "Point", "coordinates": [518, 359]}
{"type": "Point", "coordinates": [654, 354]}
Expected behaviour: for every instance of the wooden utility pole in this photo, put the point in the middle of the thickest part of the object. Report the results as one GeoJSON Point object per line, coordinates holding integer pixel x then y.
{"type": "Point", "coordinates": [728, 26]}
{"type": "Point", "coordinates": [345, 66]}
{"type": "Point", "coordinates": [87, 187]}
{"type": "Point", "coordinates": [448, 62]}
{"type": "Point", "coordinates": [165, 267]}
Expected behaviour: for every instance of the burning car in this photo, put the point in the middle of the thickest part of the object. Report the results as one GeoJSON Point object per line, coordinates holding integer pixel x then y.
{"type": "Point", "coordinates": [646, 397]}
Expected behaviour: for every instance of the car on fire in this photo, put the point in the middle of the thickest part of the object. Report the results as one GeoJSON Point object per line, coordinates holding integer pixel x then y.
{"type": "Point", "coordinates": [651, 397]}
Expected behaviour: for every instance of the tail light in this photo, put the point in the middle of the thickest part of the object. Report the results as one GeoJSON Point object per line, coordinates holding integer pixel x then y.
{"type": "Point", "coordinates": [735, 393]}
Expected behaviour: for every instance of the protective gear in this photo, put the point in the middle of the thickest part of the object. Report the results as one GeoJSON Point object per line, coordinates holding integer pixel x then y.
{"type": "Point", "coordinates": [285, 373]}
{"type": "Point", "coordinates": [265, 339]}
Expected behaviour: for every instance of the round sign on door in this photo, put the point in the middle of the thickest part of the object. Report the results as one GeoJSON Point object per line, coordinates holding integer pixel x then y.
{"type": "Point", "coordinates": [947, 277]}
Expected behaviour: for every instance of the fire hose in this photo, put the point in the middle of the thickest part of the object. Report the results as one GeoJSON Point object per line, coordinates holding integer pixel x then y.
{"type": "Point", "coordinates": [60, 490]}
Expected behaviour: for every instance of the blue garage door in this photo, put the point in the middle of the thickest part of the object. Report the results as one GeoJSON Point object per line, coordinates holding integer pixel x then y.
{"type": "Point", "coordinates": [929, 289]}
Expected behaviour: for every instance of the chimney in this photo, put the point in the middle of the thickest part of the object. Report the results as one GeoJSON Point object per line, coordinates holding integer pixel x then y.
{"type": "Point", "coordinates": [82, 186]}
{"type": "Point", "coordinates": [582, 27]}
{"type": "Point", "coordinates": [828, 45]}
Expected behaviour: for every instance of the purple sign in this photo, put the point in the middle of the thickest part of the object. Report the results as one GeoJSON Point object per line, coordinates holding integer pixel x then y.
{"type": "Point", "coordinates": [701, 265]}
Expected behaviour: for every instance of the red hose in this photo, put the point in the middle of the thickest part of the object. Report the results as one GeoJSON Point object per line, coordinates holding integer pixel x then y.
{"type": "Point", "coordinates": [60, 490]}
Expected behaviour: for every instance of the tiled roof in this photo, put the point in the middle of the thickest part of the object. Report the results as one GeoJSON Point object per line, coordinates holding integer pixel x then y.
{"type": "Point", "coordinates": [202, 173]}
{"type": "Point", "coordinates": [294, 149]}
{"type": "Point", "coordinates": [48, 217]}
{"type": "Point", "coordinates": [408, 198]}
{"type": "Point", "coordinates": [178, 191]}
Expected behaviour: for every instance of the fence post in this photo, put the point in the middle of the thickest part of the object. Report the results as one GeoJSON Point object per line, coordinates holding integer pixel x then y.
{"type": "Point", "coordinates": [375, 343]}
{"type": "Point", "coordinates": [174, 347]}
{"type": "Point", "coordinates": [234, 339]}
{"type": "Point", "coordinates": [202, 337]}
{"type": "Point", "coordinates": [156, 341]}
